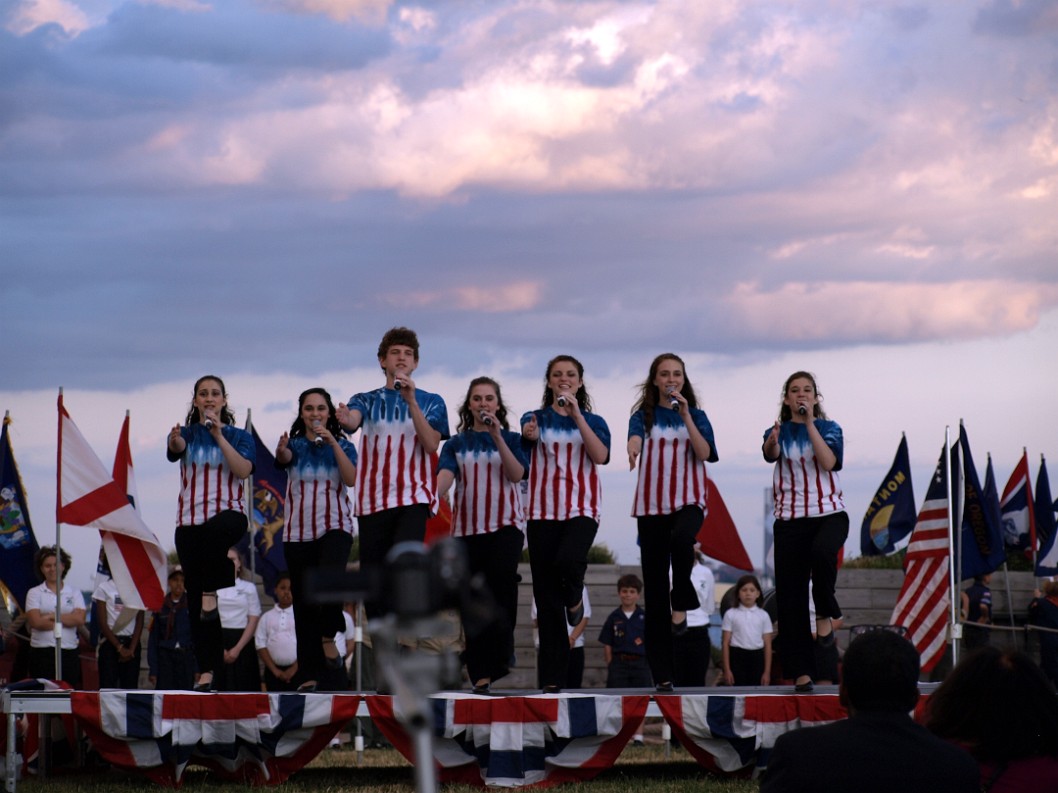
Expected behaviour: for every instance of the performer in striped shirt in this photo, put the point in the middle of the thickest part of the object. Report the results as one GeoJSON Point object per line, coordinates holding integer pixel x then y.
{"type": "Point", "coordinates": [672, 440]}
{"type": "Point", "coordinates": [810, 523]}
{"type": "Point", "coordinates": [486, 462]}
{"type": "Point", "coordinates": [402, 430]}
{"type": "Point", "coordinates": [566, 442]}
{"type": "Point", "coordinates": [320, 464]}
{"type": "Point", "coordinates": [215, 457]}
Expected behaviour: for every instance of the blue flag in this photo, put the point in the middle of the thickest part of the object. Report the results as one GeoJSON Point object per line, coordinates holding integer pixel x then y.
{"type": "Point", "coordinates": [891, 514]}
{"type": "Point", "coordinates": [17, 542]}
{"type": "Point", "coordinates": [1047, 560]}
{"type": "Point", "coordinates": [991, 498]}
{"type": "Point", "coordinates": [982, 531]}
{"type": "Point", "coordinates": [269, 499]}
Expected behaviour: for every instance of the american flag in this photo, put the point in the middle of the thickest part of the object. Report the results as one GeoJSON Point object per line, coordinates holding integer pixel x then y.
{"type": "Point", "coordinates": [924, 601]}
{"type": "Point", "coordinates": [520, 741]}
{"type": "Point", "coordinates": [255, 738]}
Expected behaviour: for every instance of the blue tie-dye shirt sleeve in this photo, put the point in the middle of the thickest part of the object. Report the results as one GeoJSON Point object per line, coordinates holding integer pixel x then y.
{"type": "Point", "coordinates": [793, 438]}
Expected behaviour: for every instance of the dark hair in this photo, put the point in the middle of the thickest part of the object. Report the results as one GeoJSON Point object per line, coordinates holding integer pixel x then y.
{"type": "Point", "coordinates": [400, 335]}
{"type": "Point", "coordinates": [749, 579]}
{"type": "Point", "coordinates": [629, 581]}
{"type": "Point", "coordinates": [49, 550]}
{"type": "Point", "coordinates": [176, 572]}
{"type": "Point", "coordinates": [582, 393]}
{"type": "Point", "coordinates": [283, 576]}
{"type": "Point", "coordinates": [785, 414]}
{"type": "Point", "coordinates": [226, 415]}
{"type": "Point", "coordinates": [648, 392]}
{"type": "Point", "coordinates": [880, 673]}
{"type": "Point", "coordinates": [998, 704]}
{"type": "Point", "coordinates": [333, 427]}
{"type": "Point", "coordinates": [466, 415]}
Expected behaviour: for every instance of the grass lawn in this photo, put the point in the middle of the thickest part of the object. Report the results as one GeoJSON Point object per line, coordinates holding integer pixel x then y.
{"type": "Point", "coordinates": [645, 769]}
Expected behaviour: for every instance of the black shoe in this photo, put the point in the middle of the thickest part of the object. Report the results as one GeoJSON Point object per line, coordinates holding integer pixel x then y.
{"type": "Point", "coordinates": [664, 688]}
{"type": "Point", "coordinates": [575, 615]}
{"type": "Point", "coordinates": [483, 689]}
{"type": "Point", "coordinates": [679, 628]}
{"type": "Point", "coordinates": [552, 690]}
{"type": "Point", "coordinates": [805, 688]}
{"type": "Point", "coordinates": [203, 688]}
{"type": "Point", "coordinates": [307, 688]}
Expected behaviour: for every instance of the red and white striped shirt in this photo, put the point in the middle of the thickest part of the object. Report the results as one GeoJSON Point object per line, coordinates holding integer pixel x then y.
{"type": "Point", "coordinates": [485, 499]}
{"type": "Point", "coordinates": [670, 474]}
{"type": "Point", "coordinates": [317, 500]}
{"type": "Point", "coordinates": [563, 480]}
{"type": "Point", "coordinates": [801, 486]}
{"type": "Point", "coordinates": [395, 470]}
{"type": "Point", "coordinates": [207, 486]}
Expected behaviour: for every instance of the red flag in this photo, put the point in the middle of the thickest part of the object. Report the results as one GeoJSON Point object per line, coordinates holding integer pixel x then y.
{"type": "Point", "coordinates": [924, 601]}
{"type": "Point", "coordinates": [88, 496]}
{"type": "Point", "coordinates": [1019, 522]}
{"type": "Point", "coordinates": [718, 536]}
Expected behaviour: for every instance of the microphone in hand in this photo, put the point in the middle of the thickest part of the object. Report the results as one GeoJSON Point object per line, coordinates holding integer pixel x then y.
{"type": "Point", "coordinates": [673, 402]}
{"type": "Point", "coordinates": [486, 419]}
{"type": "Point", "coordinates": [318, 440]}
{"type": "Point", "coordinates": [802, 410]}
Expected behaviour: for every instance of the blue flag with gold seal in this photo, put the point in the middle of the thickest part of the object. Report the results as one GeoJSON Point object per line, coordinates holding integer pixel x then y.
{"type": "Point", "coordinates": [17, 541]}
{"type": "Point", "coordinates": [982, 550]}
{"type": "Point", "coordinates": [269, 501]}
{"type": "Point", "coordinates": [891, 514]}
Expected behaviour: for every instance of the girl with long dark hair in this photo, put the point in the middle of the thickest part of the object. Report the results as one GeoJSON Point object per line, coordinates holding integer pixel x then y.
{"type": "Point", "coordinates": [485, 461]}
{"type": "Point", "coordinates": [321, 465]}
{"type": "Point", "coordinates": [811, 524]}
{"type": "Point", "coordinates": [215, 458]}
{"type": "Point", "coordinates": [566, 443]}
{"type": "Point", "coordinates": [672, 440]}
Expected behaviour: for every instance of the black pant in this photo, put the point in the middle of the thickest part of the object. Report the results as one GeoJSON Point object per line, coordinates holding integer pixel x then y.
{"type": "Point", "coordinates": [380, 532]}
{"type": "Point", "coordinates": [176, 669]}
{"type": "Point", "coordinates": [806, 549]}
{"type": "Point", "coordinates": [203, 552]}
{"type": "Point", "coordinates": [495, 557]}
{"type": "Point", "coordinates": [313, 622]}
{"type": "Point", "coordinates": [42, 665]}
{"type": "Point", "coordinates": [558, 557]}
{"type": "Point", "coordinates": [747, 666]}
{"type": "Point", "coordinates": [664, 540]}
{"type": "Point", "coordinates": [115, 673]}
{"type": "Point", "coordinates": [690, 655]}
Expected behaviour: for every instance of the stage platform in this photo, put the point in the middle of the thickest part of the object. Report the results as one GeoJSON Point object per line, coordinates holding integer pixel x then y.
{"type": "Point", "coordinates": [510, 738]}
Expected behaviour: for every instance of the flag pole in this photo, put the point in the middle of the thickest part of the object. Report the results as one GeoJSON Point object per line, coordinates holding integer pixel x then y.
{"type": "Point", "coordinates": [953, 622]}
{"type": "Point", "coordinates": [57, 630]}
{"type": "Point", "coordinates": [248, 502]}
{"type": "Point", "coordinates": [1036, 544]}
{"type": "Point", "coordinates": [1006, 582]}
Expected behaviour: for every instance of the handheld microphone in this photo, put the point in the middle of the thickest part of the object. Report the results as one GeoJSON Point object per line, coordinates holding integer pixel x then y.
{"type": "Point", "coordinates": [317, 440]}
{"type": "Point", "coordinates": [208, 424]}
{"type": "Point", "coordinates": [802, 410]}
{"type": "Point", "coordinates": [673, 402]}
{"type": "Point", "coordinates": [398, 385]}
{"type": "Point", "coordinates": [486, 419]}
{"type": "Point", "coordinates": [561, 401]}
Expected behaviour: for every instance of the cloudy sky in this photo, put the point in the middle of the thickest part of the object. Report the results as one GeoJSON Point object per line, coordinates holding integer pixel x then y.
{"type": "Point", "coordinates": [260, 188]}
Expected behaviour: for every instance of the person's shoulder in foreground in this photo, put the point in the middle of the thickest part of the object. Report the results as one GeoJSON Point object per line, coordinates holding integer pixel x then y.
{"type": "Point", "coordinates": [879, 747]}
